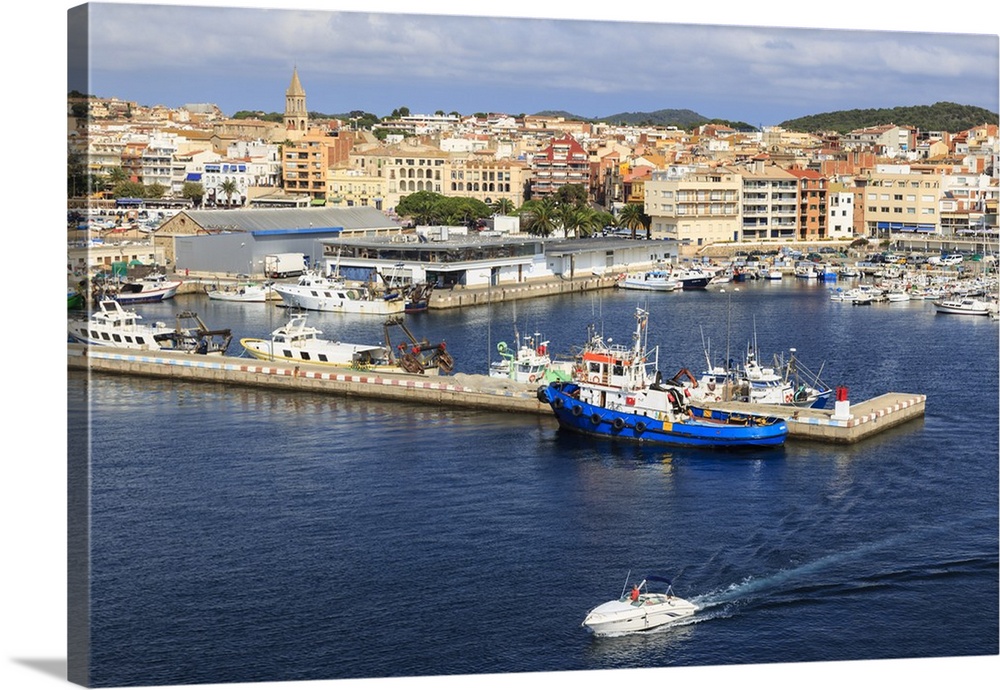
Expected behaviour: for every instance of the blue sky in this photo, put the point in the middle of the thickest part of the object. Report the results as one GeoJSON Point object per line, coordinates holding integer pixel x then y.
{"type": "Point", "coordinates": [755, 69]}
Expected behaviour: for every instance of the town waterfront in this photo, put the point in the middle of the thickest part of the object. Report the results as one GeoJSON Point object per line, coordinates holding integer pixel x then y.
{"type": "Point", "coordinates": [251, 535]}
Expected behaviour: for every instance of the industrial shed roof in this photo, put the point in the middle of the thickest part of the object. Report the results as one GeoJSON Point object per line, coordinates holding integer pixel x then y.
{"type": "Point", "coordinates": [357, 218]}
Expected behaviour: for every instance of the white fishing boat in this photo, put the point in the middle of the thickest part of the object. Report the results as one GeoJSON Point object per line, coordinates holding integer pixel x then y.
{"type": "Point", "coordinates": [244, 292]}
{"type": "Point", "coordinates": [317, 292]}
{"type": "Point", "coordinates": [299, 343]}
{"type": "Point", "coordinates": [656, 280]}
{"type": "Point", "coordinates": [529, 362]}
{"type": "Point", "coordinates": [639, 609]}
{"type": "Point", "coordinates": [786, 383]}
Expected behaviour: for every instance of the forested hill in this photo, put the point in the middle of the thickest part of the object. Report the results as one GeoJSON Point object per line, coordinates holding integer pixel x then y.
{"type": "Point", "coordinates": [948, 117]}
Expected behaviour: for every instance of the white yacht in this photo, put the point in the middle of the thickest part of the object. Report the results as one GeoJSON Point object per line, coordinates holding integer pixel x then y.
{"type": "Point", "coordinates": [317, 292]}
{"type": "Point", "coordinates": [112, 326]}
{"type": "Point", "coordinates": [296, 342]}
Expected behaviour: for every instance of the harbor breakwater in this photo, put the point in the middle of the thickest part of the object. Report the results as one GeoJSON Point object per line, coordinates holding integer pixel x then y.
{"type": "Point", "coordinates": [470, 391]}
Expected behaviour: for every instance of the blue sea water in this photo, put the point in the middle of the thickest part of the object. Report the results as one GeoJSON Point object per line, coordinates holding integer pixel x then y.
{"type": "Point", "coordinates": [244, 535]}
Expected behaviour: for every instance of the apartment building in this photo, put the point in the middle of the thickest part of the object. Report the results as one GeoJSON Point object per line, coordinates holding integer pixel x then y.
{"type": "Point", "coordinates": [885, 140]}
{"type": "Point", "coordinates": [812, 204]}
{"type": "Point", "coordinates": [696, 208]}
{"type": "Point", "coordinates": [564, 161]}
{"type": "Point", "coordinates": [348, 187]}
{"type": "Point", "coordinates": [840, 211]}
{"type": "Point", "coordinates": [965, 200]}
{"type": "Point", "coordinates": [897, 199]}
{"type": "Point", "coordinates": [304, 166]}
{"type": "Point", "coordinates": [770, 203]}
{"type": "Point", "coordinates": [487, 179]}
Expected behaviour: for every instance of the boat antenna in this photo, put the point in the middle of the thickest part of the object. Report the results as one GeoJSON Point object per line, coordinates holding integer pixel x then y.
{"type": "Point", "coordinates": [625, 586]}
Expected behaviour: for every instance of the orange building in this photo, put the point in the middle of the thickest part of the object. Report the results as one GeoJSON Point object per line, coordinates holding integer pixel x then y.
{"type": "Point", "coordinates": [812, 202]}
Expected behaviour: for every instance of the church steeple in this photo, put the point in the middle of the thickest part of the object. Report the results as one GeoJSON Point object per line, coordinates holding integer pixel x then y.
{"type": "Point", "coordinates": [296, 115]}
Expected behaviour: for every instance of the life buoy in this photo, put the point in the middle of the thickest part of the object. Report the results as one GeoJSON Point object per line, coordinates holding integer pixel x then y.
{"type": "Point", "coordinates": [595, 419]}
{"type": "Point", "coordinates": [541, 350]}
{"type": "Point", "coordinates": [531, 378]}
{"type": "Point", "coordinates": [618, 424]}
{"type": "Point", "coordinates": [788, 397]}
{"type": "Point", "coordinates": [595, 379]}
{"type": "Point", "coordinates": [640, 427]}
{"type": "Point", "coordinates": [577, 410]}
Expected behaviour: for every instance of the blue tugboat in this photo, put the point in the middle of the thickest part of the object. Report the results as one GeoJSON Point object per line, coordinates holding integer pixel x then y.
{"type": "Point", "coordinates": [615, 394]}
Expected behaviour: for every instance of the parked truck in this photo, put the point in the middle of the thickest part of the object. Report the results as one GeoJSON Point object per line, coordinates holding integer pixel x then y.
{"type": "Point", "coordinates": [284, 265]}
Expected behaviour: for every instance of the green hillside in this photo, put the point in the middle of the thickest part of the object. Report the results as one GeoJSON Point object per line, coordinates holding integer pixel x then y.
{"type": "Point", "coordinates": [949, 117]}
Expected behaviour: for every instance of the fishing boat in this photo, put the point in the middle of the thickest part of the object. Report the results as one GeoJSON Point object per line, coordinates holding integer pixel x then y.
{"type": "Point", "coordinates": [639, 609]}
{"type": "Point", "coordinates": [316, 292]}
{"type": "Point", "coordinates": [113, 326]}
{"type": "Point", "coordinates": [191, 335]}
{"type": "Point", "coordinates": [418, 297]}
{"type": "Point", "coordinates": [656, 280]}
{"type": "Point", "coordinates": [806, 270]}
{"type": "Point", "coordinates": [787, 383]}
{"type": "Point", "coordinates": [968, 306]}
{"type": "Point", "coordinates": [528, 362]}
{"type": "Point", "coordinates": [154, 287]}
{"type": "Point", "coordinates": [300, 343]}
{"type": "Point", "coordinates": [617, 393]}
{"type": "Point", "coordinates": [74, 298]}
{"type": "Point", "coordinates": [246, 291]}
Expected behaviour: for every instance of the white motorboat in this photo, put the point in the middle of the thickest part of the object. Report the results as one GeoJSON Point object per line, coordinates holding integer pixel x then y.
{"type": "Point", "coordinates": [244, 292]}
{"type": "Point", "coordinates": [152, 288]}
{"type": "Point", "coordinates": [316, 292]}
{"type": "Point", "coordinates": [962, 305]}
{"type": "Point", "coordinates": [692, 278]}
{"type": "Point", "coordinates": [299, 343]}
{"type": "Point", "coordinates": [638, 610]}
{"type": "Point", "coordinates": [656, 280]}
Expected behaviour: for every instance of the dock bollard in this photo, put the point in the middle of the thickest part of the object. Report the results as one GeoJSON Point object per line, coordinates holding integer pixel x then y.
{"type": "Point", "coordinates": [842, 406]}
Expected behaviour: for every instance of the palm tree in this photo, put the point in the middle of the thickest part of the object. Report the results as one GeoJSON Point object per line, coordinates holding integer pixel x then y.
{"type": "Point", "coordinates": [538, 216]}
{"type": "Point", "coordinates": [503, 207]}
{"type": "Point", "coordinates": [633, 217]}
{"type": "Point", "coordinates": [228, 188]}
{"type": "Point", "coordinates": [579, 219]}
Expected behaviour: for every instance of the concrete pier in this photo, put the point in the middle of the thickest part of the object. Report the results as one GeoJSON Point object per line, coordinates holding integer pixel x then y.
{"type": "Point", "coordinates": [864, 419]}
{"type": "Point", "coordinates": [467, 391]}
